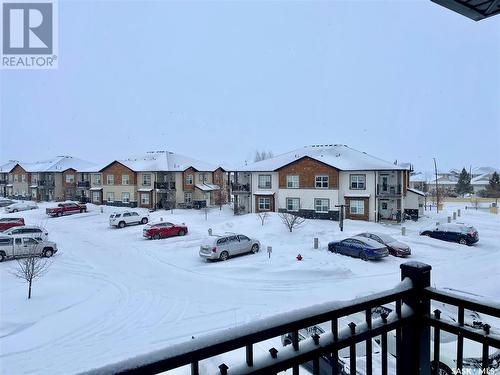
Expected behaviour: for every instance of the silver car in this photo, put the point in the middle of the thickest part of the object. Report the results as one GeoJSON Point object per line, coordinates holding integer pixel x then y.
{"type": "Point", "coordinates": [31, 231]}
{"type": "Point", "coordinates": [225, 246]}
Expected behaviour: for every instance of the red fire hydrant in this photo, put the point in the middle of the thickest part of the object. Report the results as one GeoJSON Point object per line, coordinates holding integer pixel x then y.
{"type": "Point", "coordinates": [299, 257]}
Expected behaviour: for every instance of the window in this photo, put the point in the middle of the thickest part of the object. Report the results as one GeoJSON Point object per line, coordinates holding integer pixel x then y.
{"type": "Point", "coordinates": [292, 182]}
{"type": "Point", "coordinates": [243, 238]}
{"type": "Point", "coordinates": [292, 204]}
{"type": "Point", "coordinates": [15, 178]}
{"type": "Point", "coordinates": [265, 181]}
{"type": "Point", "coordinates": [358, 181]}
{"type": "Point", "coordinates": [110, 179]}
{"type": "Point", "coordinates": [321, 205]}
{"type": "Point", "coordinates": [146, 179]}
{"type": "Point", "coordinates": [384, 205]}
{"type": "Point", "coordinates": [125, 179]}
{"type": "Point", "coordinates": [264, 204]}
{"type": "Point", "coordinates": [125, 197]}
{"type": "Point", "coordinates": [110, 196]}
{"type": "Point", "coordinates": [126, 214]}
{"type": "Point", "coordinates": [96, 196]}
{"type": "Point", "coordinates": [188, 197]}
{"type": "Point", "coordinates": [23, 178]}
{"type": "Point", "coordinates": [189, 179]}
{"type": "Point", "coordinates": [357, 207]}
{"type": "Point", "coordinates": [97, 179]}
{"type": "Point", "coordinates": [321, 182]}
{"type": "Point", "coordinates": [70, 178]}
{"type": "Point", "coordinates": [18, 241]}
{"type": "Point", "coordinates": [202, 177]}
{"type": "Point", "coordinates": [145, 198]}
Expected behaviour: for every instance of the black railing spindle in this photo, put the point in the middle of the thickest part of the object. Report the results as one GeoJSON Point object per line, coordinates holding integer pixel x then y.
{"type": "Point", "coordinates": [369, 365]}
{"type": "Point", "coordinates": [437, 342]}
{"type": "Point", "coordinates": [249, 355]}
{"type": "Point", "coordinates": [460, 340]}
{"type": "Point", "coordinates": [384, 345]}
{"type": "Point", "coordinates": [352, 351]}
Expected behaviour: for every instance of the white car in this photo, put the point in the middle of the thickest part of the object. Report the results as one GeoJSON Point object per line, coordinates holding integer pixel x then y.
{"type": "Point", "coordinates": [31, 231]}
{"type": "Point", "coordinates": [25, 246]}
{"type": "Point", "coordinates": [122, 219]}
{"type": "Point", "coordinates": [21, 206]}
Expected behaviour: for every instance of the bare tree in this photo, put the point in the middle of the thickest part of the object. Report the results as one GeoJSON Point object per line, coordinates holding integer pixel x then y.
{"type": "Point", "coordinates": [291, 221]}
{"type": "Point", "coordinates": [262, 155]}
{"type": "Point", "coordinates": [220, 198]}
{"type": "Point", "coordinates": [263, 216]}
{"type": "Point", "coordinates": [31, 267]}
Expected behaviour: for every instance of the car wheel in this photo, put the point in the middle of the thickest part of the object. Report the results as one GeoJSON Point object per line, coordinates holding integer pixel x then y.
{"type": "Point", "coordinates": [224, 255]}
{"type": "Point", "coordinates": [443, 369]}
{"type": "Point", "coordinates": [363, 256]}
{"type": "Point", "coordinates": [255, 248]}
{"type": "Point", "coordinates": [81, 211]}
{"type": "Point", "coordinates": [156, 236]}
{"type": "Point", "coordinates": [181, 233]}
{"type": "Point", "coordinates": [2, 257]}
{"type": "Point", "coordinates": [462, 241]}
{"type": "Point", "coordinates": [15, 210]}
{"type": "Point", "coordinates": [121, 224]}
{"type": "Point", "coordinates": [144, 220]}
{"type": "Point", "coordinates": [58, 214]}
{"type": "Point", "coordinates": [48, 253]}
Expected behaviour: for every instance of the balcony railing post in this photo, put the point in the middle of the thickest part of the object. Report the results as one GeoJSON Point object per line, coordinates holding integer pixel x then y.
{"type": "Point", "coordinates": [415, 354]}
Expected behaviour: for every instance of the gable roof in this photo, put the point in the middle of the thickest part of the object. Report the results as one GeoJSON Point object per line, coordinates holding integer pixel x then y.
{"type": "Point", "coordinates": [166, 161]}
{"type": "Point", "coordinates": [57, 164]}
{"type": "Point", "coordinates": [9, 166]}
{"type": "Point", "coordinates": [341, 157]}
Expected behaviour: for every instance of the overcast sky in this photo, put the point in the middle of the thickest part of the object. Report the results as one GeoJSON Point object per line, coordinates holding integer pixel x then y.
{"type": "Point", "coordinates": [405, 80]}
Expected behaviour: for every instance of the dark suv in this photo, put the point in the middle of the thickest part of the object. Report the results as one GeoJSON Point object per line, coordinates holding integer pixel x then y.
{"type": "Point", "coordinates": [462, 233]}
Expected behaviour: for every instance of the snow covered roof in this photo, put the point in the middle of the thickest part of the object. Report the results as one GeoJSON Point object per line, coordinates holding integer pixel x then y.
{"type": "Point", "coordinates": [7, 167]}
{"type": "Point", "coordinates": [57, 164]}
{"type": "Point", "coordinates": [165, 161]}
{"type": "Point", "coordinates": [483, 179]}
{"type": "Point", "coordinates": [419, 177]}
{"type": "Point", "coordinates": [416, 191]}
{"type": "Point", "coordinates": [357, 195]}
{"type": "Point", "coordinates": [207, 187]}
{"type": "Point", "coordinates": [484, 170]}
{"type": "Point", "coordinates": [341, 157]}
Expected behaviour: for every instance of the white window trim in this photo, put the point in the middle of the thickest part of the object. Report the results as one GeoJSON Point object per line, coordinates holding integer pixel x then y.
{"type": "Point", "coordinates": [108, 179]}
{"type": "Point", "coordinates": [294, 182]}
{"type": "Point", "coordinates": [125, 200]}
{"type": "Point", "coordinates": [322, 176]}
{"type": "Point", "coordinates": [186, 195]}
{"type": "Point", "coordinates": [127, 178]}
{"type": "Point", "coordinates": [145, 201]}
{"type": "Point", "coordinates": [108, 194]}
{"type": "Point", "coordinates": [293, 199]}
{"type": "Point", "coordinates": [146, 179]}
{"type": "Point", "coordinates": [357, 178]}
{"type": "Point", "coordinates": [351, 206]}
{"type": "Point", "coordinates": [321, 199]}
{"type": "Point", "coordinates": [267, 199]}
{"type": "Point", "coordinates": [265, 186]}
{"type": "Point", "coordinates": [189, 179]}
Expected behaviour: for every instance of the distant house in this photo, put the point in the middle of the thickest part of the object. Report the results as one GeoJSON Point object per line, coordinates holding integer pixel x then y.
{"type": "Point", "coordinates": [313, 181]}
{"type": "Point", "coordinates": [418, 181]}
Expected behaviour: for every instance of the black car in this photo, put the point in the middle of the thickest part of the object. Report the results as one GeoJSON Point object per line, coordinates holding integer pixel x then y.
{"type": "Point", "coordinates": [462, 233]}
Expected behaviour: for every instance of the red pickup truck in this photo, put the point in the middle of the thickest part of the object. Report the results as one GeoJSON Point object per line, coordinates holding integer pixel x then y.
{"type": "Point", "coordinates": [10, 222]}
{"type": "Point", "coordinates": [66, 209]}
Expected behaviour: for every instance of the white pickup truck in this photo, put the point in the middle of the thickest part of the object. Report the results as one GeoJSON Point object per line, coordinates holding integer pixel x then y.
{"type": "Point", "coordinates": [122, 219]}
{"type": "Point", "coordinates": [18, 247]}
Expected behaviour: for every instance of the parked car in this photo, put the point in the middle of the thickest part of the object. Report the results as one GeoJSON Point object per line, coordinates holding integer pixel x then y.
{"type": "Point", "coordinates": [10, 222]}
{"type": "Point", "coordinates": [454, 232]}
{"type": "Point", "coordinates": [122, 219]}
{"type": "Point", "coordinates": [66, 208]}
{"type": "Point", "coordinates": [359, 247]}
{"type": "Point", "coordinates": [223, 247]}
{"type": "Point", "coordinates": [395, 247]}
{"type": "Point", "coordinates": [15, 247]}
{"type": "Point", "coordinates": [163, 229]}
{"type": "Point", "coordinates": [21, 206]}
{"type": "Point", "coordinates": [31, 231]}
{"type": "Point", "coordinates": [326, 360]}
{"type": "Point", "coordinates": [472, 351]}
{"type": "Point", "coordinates": [6, 202]}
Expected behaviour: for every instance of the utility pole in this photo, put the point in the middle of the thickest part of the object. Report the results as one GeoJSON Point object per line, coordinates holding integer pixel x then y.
{"type": "Point", "coordinates": [437, 192]}
{"type": "Point", "coordinates": [341, 216]}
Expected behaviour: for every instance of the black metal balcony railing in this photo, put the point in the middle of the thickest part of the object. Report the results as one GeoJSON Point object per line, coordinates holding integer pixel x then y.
{"type": "Point", "coordinates": [411, 320]}
{"type": "Point", "coordinates": [3, 182]}
{"type": "Point", "coordinates": [240, 187]}
{"type": "Point", "coordinates": [165, 185]}
{"type": "Point", "coordinates": [388, 190]}
{"type": "Point", "coordinates": [83, 184]}
{"type": "Point", "coordinates": [46, 183]}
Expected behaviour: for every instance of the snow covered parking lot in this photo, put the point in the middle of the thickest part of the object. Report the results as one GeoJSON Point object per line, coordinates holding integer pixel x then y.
{"type": "Point", "coordinates": [111, 294]}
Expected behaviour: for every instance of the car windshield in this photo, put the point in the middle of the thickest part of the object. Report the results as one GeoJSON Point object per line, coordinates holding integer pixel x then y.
{"type": "Point", "coordinates": [386, 237]}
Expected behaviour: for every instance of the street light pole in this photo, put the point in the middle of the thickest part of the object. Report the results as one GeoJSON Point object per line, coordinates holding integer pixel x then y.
{"type": "Point", "coordinates": [437, 192]}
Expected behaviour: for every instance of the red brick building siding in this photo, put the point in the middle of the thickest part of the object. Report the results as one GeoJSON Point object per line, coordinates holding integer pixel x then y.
{"type": "Point", "coordinates": [348, 214]}
{"type": "Point", "coordinates": [185, 186]}
{"type": "Point", "coordinates": [307, 169]}
{"type": "Point", "coordinates": [117, 170]}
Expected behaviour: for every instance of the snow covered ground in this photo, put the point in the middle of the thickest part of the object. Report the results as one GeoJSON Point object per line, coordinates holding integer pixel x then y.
{"type": "Point", "coordinates": [110, 294]}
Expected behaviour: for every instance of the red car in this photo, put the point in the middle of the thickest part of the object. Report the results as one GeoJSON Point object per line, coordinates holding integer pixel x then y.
{"type": "Point", "coordinates": [67, 208]}
{"type": "Point", "coordinates": [10, 222]}
{"type": "Point", "coordinates": [162, 229]}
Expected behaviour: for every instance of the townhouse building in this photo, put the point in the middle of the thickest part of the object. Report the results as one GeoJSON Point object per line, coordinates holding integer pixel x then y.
{"type": "Point", "coordinates": [315, 181]}
{"type": "Point", "coordinates": [160, 179]}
